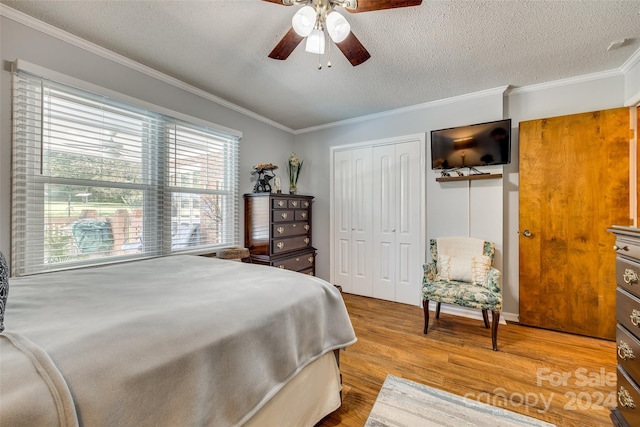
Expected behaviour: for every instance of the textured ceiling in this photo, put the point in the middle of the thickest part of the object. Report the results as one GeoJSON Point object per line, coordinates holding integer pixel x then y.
{"type": "Point", "coordinates": [418, 54]}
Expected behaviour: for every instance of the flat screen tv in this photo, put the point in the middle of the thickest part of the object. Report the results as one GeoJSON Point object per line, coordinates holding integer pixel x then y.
{"type": "Point", "coordinates": [471, 146]}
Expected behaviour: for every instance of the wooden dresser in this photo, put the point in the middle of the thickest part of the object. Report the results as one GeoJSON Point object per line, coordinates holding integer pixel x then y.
{"type": "Point", "coordinates": [627, 247]}
{"type": "Point", "coordinates": [277, 231]}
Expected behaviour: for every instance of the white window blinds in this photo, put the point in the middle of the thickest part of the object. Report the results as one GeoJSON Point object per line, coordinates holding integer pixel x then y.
{"type": "Point", "coordinates": [99, 180]}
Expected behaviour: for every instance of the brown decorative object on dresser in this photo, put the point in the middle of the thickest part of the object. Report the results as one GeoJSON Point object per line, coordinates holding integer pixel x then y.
{"type": "Point", "coordinates": [627, 247]}
{"type": "Point", "coordinates": [277, 231]}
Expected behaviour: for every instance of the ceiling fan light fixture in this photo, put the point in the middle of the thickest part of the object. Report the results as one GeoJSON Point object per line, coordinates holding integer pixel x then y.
{"type": "Point", "coordinates": [315, 42]}
{"type": "Point", "coordinates": [337, 27]}
{"type": "Point", "coordinates": [304, 20]}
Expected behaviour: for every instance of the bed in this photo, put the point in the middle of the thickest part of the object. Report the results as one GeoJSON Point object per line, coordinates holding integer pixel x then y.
{"type": "Point", "coordinates": [180, 340]}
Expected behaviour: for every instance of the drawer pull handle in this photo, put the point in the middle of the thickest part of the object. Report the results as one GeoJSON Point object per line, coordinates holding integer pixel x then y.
{"type": "Point", "coordinates": [635, 317]}
{"type": "Point", "coordinates": [294, 204]}
{"type": "Point", "coordinates": [306, 227]}
{"type": "Point", "coordinates": [284, 215]}
{"type": "Point", "coordinates": [624, 351]}
{"type": "Point", "coordinates": [630, 276]}
{"type": "Point", "coordinates": [625, 399]}
{"type": "Point", "coordinates": [280, 245]}
{"type": "Point", "coordinates": [306, 240]}
{"type": "Point", "coordinates": [281, 203]}
{"type": "Point", "coordinates": [618, 248]}
{"type": "Point", "coordinates": [310, 259]}
{"type": "Point", "coordinates": [280, 230]}
{"type": "Point", "coordinates": [306, 204]}
{"type": "Point", "coordinates": [281, 266]}
{"type": "Point", "coordinates": [303, 214]}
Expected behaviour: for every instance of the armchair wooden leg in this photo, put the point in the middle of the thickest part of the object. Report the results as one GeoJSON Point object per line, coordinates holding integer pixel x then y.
{"type": "Point", "coordinates": [494, 330]}
{"type": "Point", "coordinates": [485, 316]}
{"type": "Point", "coordinates": [425, 307]}
{"type": "Point", "coordinates": [437, 310]}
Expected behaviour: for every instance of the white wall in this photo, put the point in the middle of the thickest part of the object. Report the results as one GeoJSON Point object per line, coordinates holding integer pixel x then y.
{"type": "Point", "coordinates": [461, 207]}
{"type": "Point", "coordinates": [632, 80]}
{"type": "Point", "coordinates": [261, 142]}
{"type": "Point", "coordinates": [265, 143]}
{"type": "Point", "coordinates": [448, 207]}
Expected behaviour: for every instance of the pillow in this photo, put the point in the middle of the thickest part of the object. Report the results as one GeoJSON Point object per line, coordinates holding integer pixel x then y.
{"type": "Point", "coordinates": [4, 288]}
{"type": "Point", "coordinates": [473, 270]}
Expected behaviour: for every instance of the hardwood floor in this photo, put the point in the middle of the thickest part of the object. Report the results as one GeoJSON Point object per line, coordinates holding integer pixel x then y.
{"type": "Point", "coordinates": [563, 379]}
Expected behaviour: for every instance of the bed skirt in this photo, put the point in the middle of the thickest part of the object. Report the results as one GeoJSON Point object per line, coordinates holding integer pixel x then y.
{"type": "Point", "coordinates": [312, 395]}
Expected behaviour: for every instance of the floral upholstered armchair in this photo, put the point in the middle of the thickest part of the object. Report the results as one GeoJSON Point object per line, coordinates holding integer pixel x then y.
{"type": "Point", "coordinates": [460, 272]}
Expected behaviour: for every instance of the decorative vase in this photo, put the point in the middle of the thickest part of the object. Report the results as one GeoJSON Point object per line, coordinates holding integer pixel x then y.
{"type": "Point", "coordinates": [293, 189]}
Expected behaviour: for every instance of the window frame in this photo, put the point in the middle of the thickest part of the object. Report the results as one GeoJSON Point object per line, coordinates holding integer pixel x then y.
{"type": "Point", "coordinates": [157, 217]}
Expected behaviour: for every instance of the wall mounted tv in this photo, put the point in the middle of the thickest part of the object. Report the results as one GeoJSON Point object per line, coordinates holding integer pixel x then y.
{"type": "Point", "coordinates": [470, 146]}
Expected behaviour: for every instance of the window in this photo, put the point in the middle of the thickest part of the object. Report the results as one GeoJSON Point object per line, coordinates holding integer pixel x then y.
{"type": "Point", "coordinates": [98, 180]}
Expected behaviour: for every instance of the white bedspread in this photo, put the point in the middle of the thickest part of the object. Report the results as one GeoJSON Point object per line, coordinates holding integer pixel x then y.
{"type": "Point", "coordinates": [173, 341]}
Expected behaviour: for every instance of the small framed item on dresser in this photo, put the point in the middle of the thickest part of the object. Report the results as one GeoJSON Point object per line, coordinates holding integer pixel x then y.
{"type": "Point", "coordinates": [627, 248]}
{"type": "Point", "coordinates": [277, 231]}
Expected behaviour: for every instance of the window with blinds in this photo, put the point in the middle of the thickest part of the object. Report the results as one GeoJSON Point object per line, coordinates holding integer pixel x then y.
{"type": "Point", "coordinates": [98, 180]}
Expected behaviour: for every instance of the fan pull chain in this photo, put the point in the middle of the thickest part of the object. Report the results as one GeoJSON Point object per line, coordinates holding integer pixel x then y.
{"type": "Point", "coordinates": [329, 63]}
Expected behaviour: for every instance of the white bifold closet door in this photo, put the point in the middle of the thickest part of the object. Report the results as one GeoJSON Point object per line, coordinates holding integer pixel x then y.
{"type": "Point", "coordinates": [377, 242]}
{"type": "Point", "coordinates": [397, 257]}
{"type": "Point", "coordinates": [352, 209]}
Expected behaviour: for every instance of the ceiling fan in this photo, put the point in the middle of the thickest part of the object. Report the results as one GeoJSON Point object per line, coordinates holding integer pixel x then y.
{"type": "Point", "coordinates": [315, 16]}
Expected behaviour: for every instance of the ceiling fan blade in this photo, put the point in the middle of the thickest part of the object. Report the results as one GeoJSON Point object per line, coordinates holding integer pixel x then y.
{"type": "Point", "coordinates": [289, 42]}
{"type": "Point", "coordinates": [353, 50]}
{"type": "Point", "coordinates": [279, 2]}
{"type": "Point", "coordinates": [371, 5]}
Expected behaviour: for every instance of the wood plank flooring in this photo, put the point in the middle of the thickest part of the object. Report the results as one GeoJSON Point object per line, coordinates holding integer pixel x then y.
{"type": "Point", "coordinates": [564, 379]}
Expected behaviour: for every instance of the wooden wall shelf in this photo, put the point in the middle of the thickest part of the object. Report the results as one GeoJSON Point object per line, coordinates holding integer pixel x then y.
{"type": "Point", "coordinates": [469, 177]}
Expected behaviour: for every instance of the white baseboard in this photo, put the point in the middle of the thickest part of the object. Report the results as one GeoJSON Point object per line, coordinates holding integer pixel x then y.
{"type": "Point", "coordinates": [457, 310]}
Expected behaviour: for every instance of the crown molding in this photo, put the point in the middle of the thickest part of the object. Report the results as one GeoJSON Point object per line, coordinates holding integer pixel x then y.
{"type": "Point", "coordinates": [62, 35]}
{"type": "Point", "coordinates": [417, 107]}
{"type": "Point", "coordinates": [50, 30]}
{"type": "Point", "coordinates": [633, 101]}
{"type": "Point", "coordinates": [631, 62]}
{"type": "Point", "coordinates": [566, 82]}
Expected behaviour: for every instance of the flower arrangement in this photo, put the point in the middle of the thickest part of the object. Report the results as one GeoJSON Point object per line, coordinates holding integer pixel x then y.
{"type": "Point", "coordinates": [294, 168]}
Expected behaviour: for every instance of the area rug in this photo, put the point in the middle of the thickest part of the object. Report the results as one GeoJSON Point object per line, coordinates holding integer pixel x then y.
{"type": "Point", "coordinates": [403, 403]}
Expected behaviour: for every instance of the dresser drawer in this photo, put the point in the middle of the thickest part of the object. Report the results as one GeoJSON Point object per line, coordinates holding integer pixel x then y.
{"type": "Point", "coordinates": [628, 311]}
{"type": "Point", "coordinates": [628, 398]}
{"type": "Point", "coordinates": [302, 215]}
{"type": "Point", "coordinates": [309, 272]}
{"type": "Point", "coordinates": [284, 230]}
{"type": "Point", "coordinates": [283, 216]}
{"type": "Point", "coordinates": [278, 203]}
{"type": "Point", "coordinates": [627, 246]}
{"type": "Point", "coordinates": [297, 262]}
{"type": "Point", "coordinates": [290, 244]}
{"type": "Point", "coordinates": [628, 348]}
{"type": "Point", "coordinates": [628, 275]}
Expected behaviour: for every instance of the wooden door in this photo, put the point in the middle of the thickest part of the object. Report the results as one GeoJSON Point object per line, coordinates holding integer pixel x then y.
{"type": "Point", "coordinates": [574, 183]}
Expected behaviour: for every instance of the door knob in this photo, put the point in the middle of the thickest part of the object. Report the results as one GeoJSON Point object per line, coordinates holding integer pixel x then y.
{"type": "Point", "coordinates": [526, 233]}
